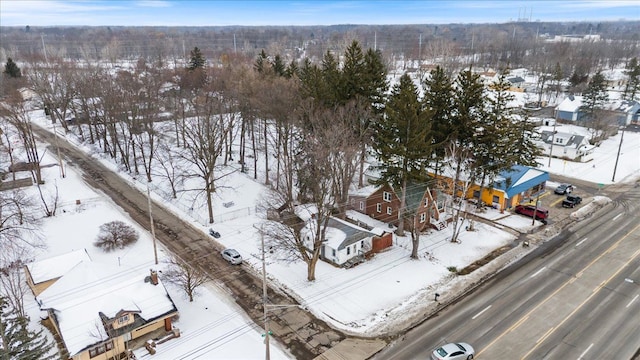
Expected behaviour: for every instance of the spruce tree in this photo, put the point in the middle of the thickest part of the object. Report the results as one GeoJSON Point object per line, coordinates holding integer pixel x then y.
{"type": "Point", "coordinates": [557, 78]}
{"type": "Point", "coordinates": [402, 140]}
{"type": "Point", "coordinates": [594, 97]}
{"type": "Point", "coordinates": [18, 342]}
{"type": "Point", "coordinates": [262, 58]}
{"type": "Point", "coordinates": [438, 98]}
{"type": "Point", "coordinates": [352, 73]}
{"type": "Point", "coordinates": [197, 60]}
{"type": "Point", "coordinates": [632, 88]}
{"type": "Point", "coordinates": [278, 66]}
{"type": "Point", "coordinates": [12, 69]}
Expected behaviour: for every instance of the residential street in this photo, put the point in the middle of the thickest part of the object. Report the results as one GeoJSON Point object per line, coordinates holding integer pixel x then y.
{"type": "Point", "coordinates": [288, 325]}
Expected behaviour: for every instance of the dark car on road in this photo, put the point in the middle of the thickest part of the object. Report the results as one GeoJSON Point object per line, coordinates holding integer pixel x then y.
{"type": "Point", "coordinates": [571, 201]}
{"type": "Point", "coordinates": [530, 210]}
{"type": "Point", "coordinates": [563, 189]}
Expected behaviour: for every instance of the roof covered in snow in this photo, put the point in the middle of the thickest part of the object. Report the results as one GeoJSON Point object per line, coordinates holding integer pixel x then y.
{"type": "Point", "coordinates": [56, 266]}
{"type": "Point", "coordinates": [90, 289]}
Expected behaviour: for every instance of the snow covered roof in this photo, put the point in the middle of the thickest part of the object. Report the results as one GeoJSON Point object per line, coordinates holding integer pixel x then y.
{"type": "Point", "coordinates": [55, 267]}
{"type": "Point", "coordinates": [518, 179]}
{"type": "Point", "coordinates": [89, 289]}
{"type": "Point", "coordinates": [570, 104]}
{"type": "Point", "coordinates": [341, 234]}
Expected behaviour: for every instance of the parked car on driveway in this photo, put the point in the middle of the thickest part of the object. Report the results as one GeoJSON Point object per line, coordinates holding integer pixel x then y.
{"type": "Point", "coordinates": [563, 189]}
{"type": "Point", "coordinates": [453, 351]}
{"type": "Point", "coordinates": [530, 210]}
{"type": "Point", "coordinates": [571, 201]}
{"type": "Point", "coordinates": [232, 256]}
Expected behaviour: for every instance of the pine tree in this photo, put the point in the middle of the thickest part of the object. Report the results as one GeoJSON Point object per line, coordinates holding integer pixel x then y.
{"type": "Point", "coordinates": [262, 58]}
{"type": "Point", "coordinates": [633, 79]}
{"type": "Point", "coordinates": [12, 69]}
{"type": "Point", "coordinates": [197, 60]}
{"type": "Point", "coordinates": [594, 99]}
{"type": "Point", "coordinates": [352, 83]}
{"type": "Point", "coordinates": [402, 140]}
{"type": "Point", "coordinates": [438, 98]}
{"type": "Point", "coordinates": [278, 67]}
{"type": "Point", "coordinates": [18, 342]}
{"type": "Point", "coordinates": [557, 78]}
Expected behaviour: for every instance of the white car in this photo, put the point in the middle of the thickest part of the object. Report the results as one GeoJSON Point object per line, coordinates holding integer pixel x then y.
{"type": "Point", "coordinates": [453, 351]}
{"type": "Point", "coordinates": [232, 256]}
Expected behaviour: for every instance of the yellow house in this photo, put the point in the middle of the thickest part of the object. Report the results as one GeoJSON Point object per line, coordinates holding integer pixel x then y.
{"type": "Point", "coordinates": [96, 309]}
{"type": "Point", "coordinates": [510, 188]}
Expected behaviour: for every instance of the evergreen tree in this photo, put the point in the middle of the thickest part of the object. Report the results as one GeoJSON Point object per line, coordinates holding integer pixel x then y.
{"type": "Point", "coordinates": [278, 67]}
{"type": "Point", "coordinates": [352, 83]}
{"type": "Point", "coordinates": [18, 342]}
{"type": "Point", "coordinates": [402, 140]}
{"type": "Point", "coordinates": [262, 58]}
{"type": "Point", "coordinates": [12, 69]}
{"type": "Point", "coordinates": [594, 97]}
{"type": "Point", "coordinates": [557, 78]}
{"type": "Point", "coordinates": [375, 83]}
{"type": "Point", "coordinates": [197, 60]}
{"type": "Point", "coordinates": [633, 79]}
{"type": "Point", "coordinates": [292, 69]}
{"type": "Point", "coordinates": [469, 103]}
{"type": "Point", "coordinates": [522, 148]}
{"type": "Point", "coordinates": [438, 98]}
{"type": "Point", "coordinates": [329, 87]}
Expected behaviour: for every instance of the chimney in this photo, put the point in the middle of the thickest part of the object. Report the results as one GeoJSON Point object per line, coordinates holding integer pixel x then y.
{"type": "Point", "coordinates": [154, 277]}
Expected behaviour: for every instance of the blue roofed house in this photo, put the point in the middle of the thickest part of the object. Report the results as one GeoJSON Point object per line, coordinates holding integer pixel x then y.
{"type": "Point", "coordinates": [512, 187]}
{"type": "Point", "coordinates": [616, 111]}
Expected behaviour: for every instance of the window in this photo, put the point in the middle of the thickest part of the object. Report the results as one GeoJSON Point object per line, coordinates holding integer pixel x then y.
{"type": "Point", "coordinates": [389, 210]}
{"type": "Point", "coordinates": [426, 202]}
{"type": "Point", "coordinates": [124, 319]}
{"type": "Point", "coordinates": [100, 349]}
{"type": "Point", "coordinates": [361, 205]}
{"type": "Point", "coordinates": [423, 217]}
{"type": "Point", "coordinates": [496, 199]}
{"type": "Point", "coordinates": [333, 252]}
{"type": "Point", "coordinates": [378, 207]}
{"type": "Point", "coordinates": [386, 196]}
{"type": "Point", "coordinates": [361, 244]}
{"type": "Point", "coordinates": [348, 250]}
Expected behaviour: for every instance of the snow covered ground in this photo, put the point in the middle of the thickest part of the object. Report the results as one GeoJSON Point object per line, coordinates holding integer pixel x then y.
{"type": "Point", "coordinates": [360, 299]}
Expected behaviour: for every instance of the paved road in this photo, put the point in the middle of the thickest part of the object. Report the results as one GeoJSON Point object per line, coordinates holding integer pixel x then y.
{"type": "Point", "coordinates": [566, 299]}
{"type": "Point", "coordinates": [303, 334]}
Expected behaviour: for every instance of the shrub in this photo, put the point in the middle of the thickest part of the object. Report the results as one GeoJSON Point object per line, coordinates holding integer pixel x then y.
{"type": "Point", "coordinates": [115, 235]}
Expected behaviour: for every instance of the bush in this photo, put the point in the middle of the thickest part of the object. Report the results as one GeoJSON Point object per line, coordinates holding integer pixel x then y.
{"type": "Point", "coordinates": [453, 269]}
{"type": "Point", "coordinates": [115, 235]}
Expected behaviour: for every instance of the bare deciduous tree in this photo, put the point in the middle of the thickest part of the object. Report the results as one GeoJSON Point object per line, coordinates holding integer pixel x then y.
{"type": "Point", "coordinates": [115, 235]}
{"type": "Point", "coordinates": [184, 275]}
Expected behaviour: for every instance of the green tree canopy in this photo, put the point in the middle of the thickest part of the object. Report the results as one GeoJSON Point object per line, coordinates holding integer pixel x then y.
{"type": "Point", "coordinates": [12, 69]}
{"type": "Point", "coordinates": [197, 60]}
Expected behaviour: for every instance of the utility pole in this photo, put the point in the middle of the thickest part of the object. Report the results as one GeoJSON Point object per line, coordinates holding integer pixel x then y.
{"type": "Point", "coordinates": [553, 139]}
{"type": "Point", "coordinates": [615, 167]}
{"type": "Point", "coordinates": [153, 228]}
{"type": "Point", "coordinates": [267, 355]}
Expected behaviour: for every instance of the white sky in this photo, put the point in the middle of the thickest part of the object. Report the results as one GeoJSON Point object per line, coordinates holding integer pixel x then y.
{"type": "Point", "coordinates": [358, 299]}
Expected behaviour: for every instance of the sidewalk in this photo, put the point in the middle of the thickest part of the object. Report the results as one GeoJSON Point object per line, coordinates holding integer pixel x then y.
{"type": "Point", "coordinates": [353, 349]}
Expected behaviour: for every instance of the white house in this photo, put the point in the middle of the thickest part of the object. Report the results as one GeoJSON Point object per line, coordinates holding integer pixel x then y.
{"type": "Point", "coordinates": [343, 241]}
{"type": "Point", "coordinates": [564, 145]}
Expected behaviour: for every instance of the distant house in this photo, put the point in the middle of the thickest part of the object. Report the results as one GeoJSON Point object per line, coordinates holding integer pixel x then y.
{"type": "Point", "coordinates": [567, 146]}
{"type": "Point", "coordinates": [345, 243]}
{"type": "Point", "coordinates": [569, 109]}
{"type": "Point", "coordinates": [516, 82]}
{"type": "Point", "coordinates": [620, 112]}
{"type": "Point", "coordinates": [42, 274]}
{"type": "Point", "coordinates": [96, 309]}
